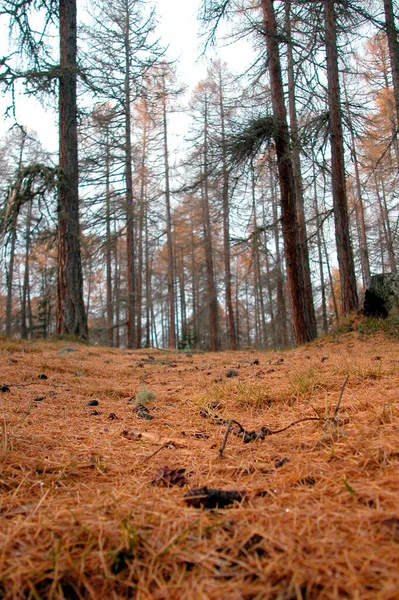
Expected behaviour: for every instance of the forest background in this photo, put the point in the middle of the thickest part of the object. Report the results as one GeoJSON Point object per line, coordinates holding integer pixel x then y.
{"type": "Point", "coordinates": [259, 228]}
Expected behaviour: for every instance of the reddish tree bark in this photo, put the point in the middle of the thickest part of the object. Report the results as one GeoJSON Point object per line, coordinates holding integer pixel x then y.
{"type": "Point", "coordinates": [338, 180]}
{"type": "Point", "coordinates": [286, 180]}
{"type": "Point", "coordinates": [71, 315]}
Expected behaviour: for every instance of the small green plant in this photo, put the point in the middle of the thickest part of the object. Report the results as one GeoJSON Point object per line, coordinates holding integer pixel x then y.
{"type": "Point", "coordinates": [305, 383]}
{"type": "Point", "coordinates": [142, 396]}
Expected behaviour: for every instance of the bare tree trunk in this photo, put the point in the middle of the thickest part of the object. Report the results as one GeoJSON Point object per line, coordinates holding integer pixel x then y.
{"type": "Point", "coordinates": [169, 241]}
{"type": "Point", "coordinates": [148, 337]}
{"type": "Point", "coordinates": [359, 208]}
{"type": "Point", "coordinates": [338, 180]}
{"type": "Point", "coordinates": [10, 279]}
{"type": "Point", "coordinates": [226, 224]}
{"type": "Point", "coordinates": [108, 246]}
{"type": "Point", "coordinates": [286, 180]}
{"type": "Point", "coordinates": [141, 227]}
{"type": "Point", "coordinates": [212, 295]}
{"type": "Point", "coordinates": [385, 223]}
{"type": "Point", "coordinates": [259, 293]}
{"type": "Point", "coordinates": [319, 226]}
{"type": "Point", "coordinates": [282, 332]}
{"type": "Point", "coordinates": [71, 315]}
{"type": "Point", "coordinates": [130, 242]}
{"type": "Point", "coordinates": [25, 304]}
{"type": "Point", "coordinates": [296, 164]}
{"type": "Point", "coordinates": [393, 45]}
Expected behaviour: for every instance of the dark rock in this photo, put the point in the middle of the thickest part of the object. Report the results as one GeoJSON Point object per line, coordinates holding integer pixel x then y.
{"type": "Point", "coordinates": [232, 373]}
{"type": "Point", "coordinates": [4, 388]}
{"type": "Point", "coordinates": [42, 376]}
{"type": "Point", "coordinates": [93, 403]}
{"type": "Point", "coordinates": [213, 498]}
{"type": "Point", "coordinates": [39, 399]}
{"type": "Point", "coordinates": [381, 295]}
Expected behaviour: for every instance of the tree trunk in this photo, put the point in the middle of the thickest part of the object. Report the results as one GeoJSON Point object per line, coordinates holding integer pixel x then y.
{"type": "Point", "coordinates": [359, 208]}
{"type": "Point", "coordinates": [71, 315]}
{"type": "Point", "coordinates": [25, 304]}
{"type": "Point", "coordinates": [131, 274]}
{"type": "Point", "coordinates": [10, 279]}
{"type": "Point", "coordinates": [226, 225]}
{"type": "Point", "coordinates": [282, 330]}
{"type": "Point", "coordinates": [308, 303]}
{"type": "Point", "coordinates": [287, 185]}
{"type": "Point", "coordinates": [211, 287]}
{"type": "Point", "coordinates": [342, 231]}
{"type": "Point", "coordinates": [108, 245]}
{"type": "Point", "coordinates": [319, 226]}
{"type": "Point", "coordinates": [393, 45]}
{"type": "Point", "coordinates": [169, 241]}
{"type": "Point", "coordinates": [257, 269]}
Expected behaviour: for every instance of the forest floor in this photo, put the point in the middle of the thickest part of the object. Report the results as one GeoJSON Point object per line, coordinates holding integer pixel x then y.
{"type": "Point", "coordinates": [102, 451]}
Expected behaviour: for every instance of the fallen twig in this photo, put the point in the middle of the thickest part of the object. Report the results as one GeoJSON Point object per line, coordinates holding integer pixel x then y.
{"type": "Point", "coordinates": [340, 398]}
{"type": "Point", "coordinates": [226, 435]}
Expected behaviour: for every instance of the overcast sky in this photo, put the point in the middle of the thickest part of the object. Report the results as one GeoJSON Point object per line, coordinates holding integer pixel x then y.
{"type": "Point", "coordinates": [178, 28]}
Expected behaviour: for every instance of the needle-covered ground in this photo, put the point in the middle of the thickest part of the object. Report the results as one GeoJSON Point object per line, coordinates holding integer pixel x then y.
{"type": "Point", "coordinates": [100, 447]}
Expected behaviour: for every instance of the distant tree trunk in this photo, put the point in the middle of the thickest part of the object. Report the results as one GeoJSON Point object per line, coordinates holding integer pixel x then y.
{"type": "Point", "coordinates": [359, 208]}
{"type": "Point", "coordinates": [286, 180]}
{"type": "Point", "coordinates": [71, 315]}
{"type": "Point", "coordinates": [212, 296]}
{"type": "Point", "coordinates": [194, 284]}
{"type": "Point", "coordinates": [10, 279]}
{"type": "Point", "coordinates": [26, 312]}
{"type": "Point", "coordinates": [13, 239]}
{"type": "Point", "coordinates": [117, 287]}
{"type": "Point", "coordinates": [130, 242]}
{"type": "Point", "coordinates": [338, 180]}
{"type": "Point", "coordinates": [385, 223]}
{"type": "Point", "coordinates": [393, 45]}
{"type": "Point", "coordinates": [296, 164]}
{"type": "Point", "coordinates": [140, 236]}
{"type": "Point", "coordinates": [226, 224]}
{"type": "Point", "coordinates": [148, 303]}
{"type": "Point", "coordinates": [169, 241]}
{"type": "Point", "coordinates": [282, 330]}
{"type": "Point", "coordinates": [257, 270]}
{"type": "Point", "coordinates": [319, 226]}
{"type": "Point", "coordinates": [108, 246]}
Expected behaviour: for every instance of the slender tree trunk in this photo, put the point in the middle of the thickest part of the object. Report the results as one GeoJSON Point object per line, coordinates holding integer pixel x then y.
{"type": "Point", "coordinates": [130, 242]}
{"type": "Point", "coordinates": [117, 288]}
{"type": "Point", "coordinates": [393, 45]}
{"type": "Point", "coordinates": [257, 268]}
{"type": "Point", "coordinates": [71, 315]}
{"type": "Point", "coordinates": [25, 308]}
{"type": "Point", "coordinates": [140, 249]}
{"type": "Point", "coordinates": [359, 208]}
{"type": "Point", "coordinates": [10, 279]}
{"type": "Point", "coordinates": [342, 230]}
{"type": "Point", "coordinates": [212, 295]}
{"type": "Point", "coordinates": [226, 224]}
{"type": "Point", "coordinates": [385, 223]}
{"type": "Point", "coordinates": [148, 337]}
{"type": "Point", "coordinates": [319, 226]}
{"type": "Point", "coordinates": [108, 246]}
{"type": "Point", "coordinates": [169, 241]}
{"type": "Point", "coordinates": [282, 330]}
{"type": "Point", "coordinates": [296, 164]}
{"type": "Point", "coordinates": [289, 219]}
